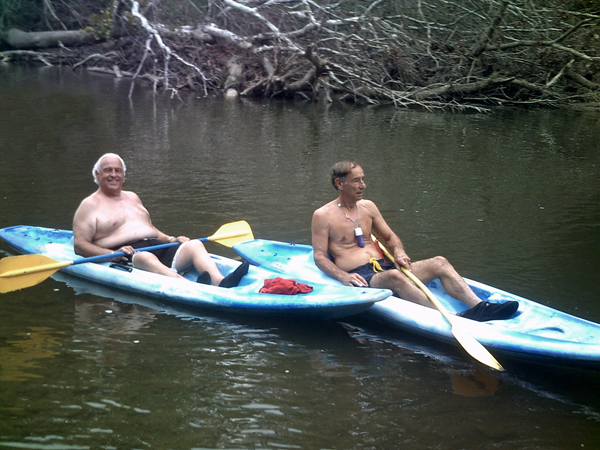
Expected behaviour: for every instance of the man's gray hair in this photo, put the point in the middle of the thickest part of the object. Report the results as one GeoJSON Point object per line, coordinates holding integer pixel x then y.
{"type": "Point", "coordinates": [341, 171]}
{"type": "Point", "coordinates": [96, 168]}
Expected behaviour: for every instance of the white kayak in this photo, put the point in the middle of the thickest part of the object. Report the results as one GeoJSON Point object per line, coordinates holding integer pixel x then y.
{"type": "Point", "coordinates": [326, 301]}
{"type": "Point", "coordinates": [536, 333]}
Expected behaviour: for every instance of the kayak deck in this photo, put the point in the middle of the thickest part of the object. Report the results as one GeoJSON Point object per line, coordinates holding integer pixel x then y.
{"type": "Point", "coordinates": [325, 301]}
{"type": "Point", "coordinates": [536, 333]}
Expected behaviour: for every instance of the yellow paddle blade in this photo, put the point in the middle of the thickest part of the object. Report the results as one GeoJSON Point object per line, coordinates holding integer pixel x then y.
{"type": "Point", "coordinates": [20, 272]}
{"type": "Point", "coordinates": [474, 347]}
{"type": "Point", "coordinates": [233, 233]}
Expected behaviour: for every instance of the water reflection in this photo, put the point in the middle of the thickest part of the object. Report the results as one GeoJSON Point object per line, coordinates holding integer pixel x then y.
{"type": "Point", "coordinates": [245, 382]}
{"type": "Point", "coordinates": [464, 379]}
{"type": "Point", "coordinates": [108, 329]}
{"type": "Point", "coordinates": [480, 384]}
{"type": "Point", "coordinates": [20, 358]}
{"type": "Point", "coordinates": [511, 198]}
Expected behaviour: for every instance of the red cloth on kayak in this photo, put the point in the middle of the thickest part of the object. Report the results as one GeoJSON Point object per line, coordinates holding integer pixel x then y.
{"type": "Point", "coordinates": [285, 286]}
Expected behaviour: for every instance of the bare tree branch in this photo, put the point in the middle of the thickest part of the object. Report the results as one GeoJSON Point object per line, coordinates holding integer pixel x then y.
{"type": "Point", "coordinates": [426, 53]}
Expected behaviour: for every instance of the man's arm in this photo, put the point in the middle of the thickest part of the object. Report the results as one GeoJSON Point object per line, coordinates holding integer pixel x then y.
{"type": "Point", "coordinates": [84, 230]}
{"type": "Point", "coordinates": [320, 244]}
{"type": "Point", "coordinates": [392, 241]}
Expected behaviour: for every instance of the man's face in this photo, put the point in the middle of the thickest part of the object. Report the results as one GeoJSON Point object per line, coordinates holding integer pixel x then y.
{"type": "Point", "coordinates": [111, 175]}
{"type": "Point", "coordinates": [355, 184]}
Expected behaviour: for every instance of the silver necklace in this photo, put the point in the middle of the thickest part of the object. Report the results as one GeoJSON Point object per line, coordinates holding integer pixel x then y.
{"type": "Point", "coordinates": [357, 230]}
{"type": "Point", "coordinates": [355, 222]}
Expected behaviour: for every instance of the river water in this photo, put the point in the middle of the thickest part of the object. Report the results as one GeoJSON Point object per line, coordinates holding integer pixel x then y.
{"type": "Point", "coordinates": [512, 198]}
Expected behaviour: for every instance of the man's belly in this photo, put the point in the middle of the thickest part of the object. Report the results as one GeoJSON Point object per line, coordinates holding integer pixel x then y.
{"type": "Point", "coordinates": [351, 259]}
{"type": "Point", "coordinates": [127, 234]}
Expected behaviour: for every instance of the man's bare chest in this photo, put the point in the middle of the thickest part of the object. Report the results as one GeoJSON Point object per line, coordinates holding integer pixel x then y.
{"type": "Point", "coordinates": [115, 215]}
{"type": "Point", "coordinates": [343, 229]}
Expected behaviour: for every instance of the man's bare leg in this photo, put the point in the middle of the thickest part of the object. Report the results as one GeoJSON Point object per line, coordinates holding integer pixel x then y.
{"type": "Point", "coordinates": [194, 253]}
{"type": "Point", "coordinates": [150, 263]}
{"type": "Point", "coordinates": [426, 271]}
{"type": "Point", "coordinates": [455, 286]}
{"type": "Point", "coordinates": [401, 285]}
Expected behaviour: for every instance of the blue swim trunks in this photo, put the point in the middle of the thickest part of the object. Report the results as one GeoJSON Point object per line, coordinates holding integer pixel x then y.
{"type": "Point", "coordinates": [367, 270]}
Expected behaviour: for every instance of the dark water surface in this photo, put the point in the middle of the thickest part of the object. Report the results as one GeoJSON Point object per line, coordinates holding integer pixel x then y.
{"type": "Point", "coordinates": [512, 198]}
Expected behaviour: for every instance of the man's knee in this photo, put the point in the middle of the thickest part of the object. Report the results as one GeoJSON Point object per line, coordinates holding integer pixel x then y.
{"type": "Point", "coordinates": [144, 258]}
{"type": "Point", "coordinates": [440, 266]}
{"type": "Point", "coordinates": [192, 250]}
{"type": "Point", "coordinates": [440, 261]}
{"type": "Point", "coordinates": [195, 246]}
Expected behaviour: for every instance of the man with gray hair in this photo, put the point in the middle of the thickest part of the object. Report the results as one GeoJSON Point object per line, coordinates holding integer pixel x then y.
{"type": "Point", "coordinates": [113, 220]}
{"type": "Point", "coordinates": [344, 250]}
{"type": "Point", "coordinates": [96, 169]}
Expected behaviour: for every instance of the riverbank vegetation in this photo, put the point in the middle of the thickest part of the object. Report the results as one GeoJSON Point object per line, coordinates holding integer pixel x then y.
{"type": "Point", "coordinates": [426, 53]}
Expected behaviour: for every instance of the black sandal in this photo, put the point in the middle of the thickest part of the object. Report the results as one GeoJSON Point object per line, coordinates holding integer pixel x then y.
{"type": "Point", "coordinates": [484, 311]}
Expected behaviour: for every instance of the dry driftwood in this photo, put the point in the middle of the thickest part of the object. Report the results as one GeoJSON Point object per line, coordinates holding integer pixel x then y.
{"type": "Point", "coordinates": [46, 39]}
{"type": "Point", "coordinates": [431, 53]}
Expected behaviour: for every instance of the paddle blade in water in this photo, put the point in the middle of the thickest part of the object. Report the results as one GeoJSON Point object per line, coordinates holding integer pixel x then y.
{"type": "Point", "coordinates": [474, 348]}
{"type": "Point", "coordinates": [233, 233]}
{"type": "Point", "coordinates": [20, 272]}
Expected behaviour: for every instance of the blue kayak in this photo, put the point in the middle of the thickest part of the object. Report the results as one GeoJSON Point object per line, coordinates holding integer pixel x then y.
{"type": "Point", "coordinates": [536, 333]}
{"type": "Point", "coordinates": [326, 301]}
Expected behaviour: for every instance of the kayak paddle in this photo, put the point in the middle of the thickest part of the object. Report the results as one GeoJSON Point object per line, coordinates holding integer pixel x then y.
{"type": "Point", "coordinates": [464, 338]}
{"type": "Point", "coordinates": [19, 272]}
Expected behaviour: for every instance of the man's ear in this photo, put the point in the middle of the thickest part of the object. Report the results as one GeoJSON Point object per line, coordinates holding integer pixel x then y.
{"type": "Point", "coordinates": [339, 184]}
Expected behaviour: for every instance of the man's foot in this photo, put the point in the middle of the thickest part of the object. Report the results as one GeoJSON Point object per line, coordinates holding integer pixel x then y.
{"type": "Point", "coordinates": [234, 278]}
{"type": "Point", "coordinates": [204, 278]}
{"type": "Point", "coordinates": [484, 311]}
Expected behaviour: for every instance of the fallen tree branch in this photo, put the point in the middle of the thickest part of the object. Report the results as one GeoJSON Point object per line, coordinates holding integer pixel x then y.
{"type": "Point", "coordinates": [10, 54]}
{"type": "Point", "coordinates": [168, 52]}
{"type": "Point", "coordinates": [50, 9]}
{"type": "Point", "coordinates": [559, 75]}
{"type": "Point", "coordinates": [536, 88]}
{"type": "Point", "coordinates": [147, 50]}
{"type": "Point", "coordinates": [105, 57]}
{"type": "Point", "coordinates": [428, 54]}
{"type": "Point", "coordinates": [550, 43]}
{"type": "Point", "coordinates": [213, 30]}
{"type": "Point", "coordinates": [582, 80]}
{"type": "Point", "coordinates": [482, 43]}
{"type": "Point", "coordinates": [254, 12]}
{"type": "Point", "coordinates": [46, 39]}
{"type": "Point", "coordinates": [154, 79]}
{"type": "Point", "coordinates": [467, 88]}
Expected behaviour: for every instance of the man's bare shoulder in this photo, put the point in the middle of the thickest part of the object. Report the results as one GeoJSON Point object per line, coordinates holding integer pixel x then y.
{"type": "Point", "coordinates": [131, 196]}
{"type": "Point", "coordinates": [369, 204]}
{"type": "Point", "coordinates": [323, 217]}
{"type": "Point", "coordinates": [325, 209]}
{"type": "Point", "coordinates": [91, 201]}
